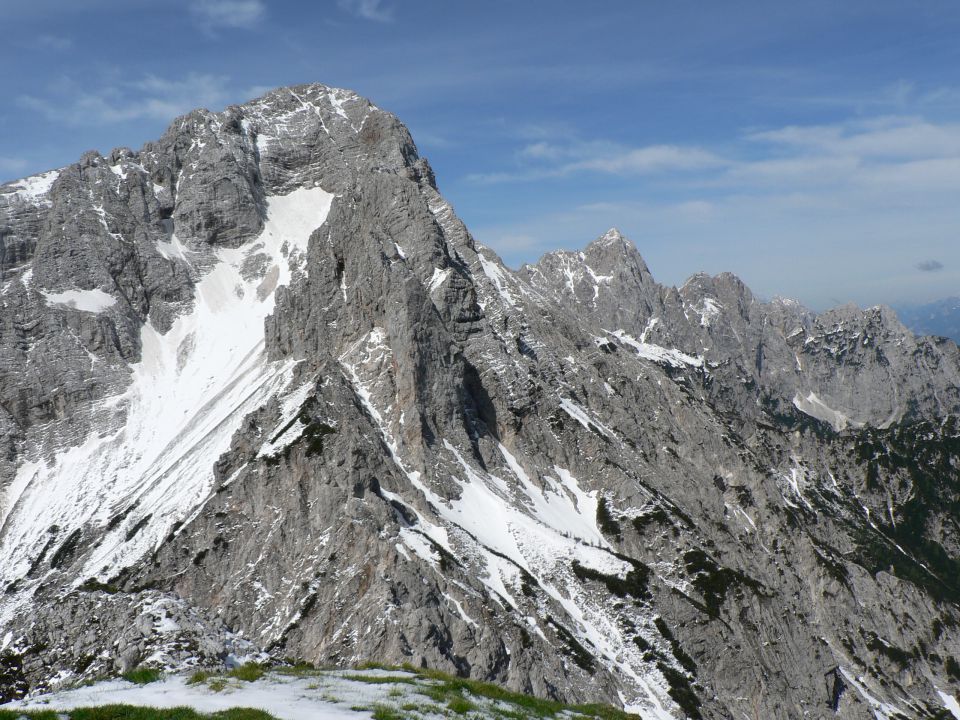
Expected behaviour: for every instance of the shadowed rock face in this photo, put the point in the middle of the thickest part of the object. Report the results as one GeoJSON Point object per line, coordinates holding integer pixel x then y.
{"type": "Point", "coordinates": [261, 392]}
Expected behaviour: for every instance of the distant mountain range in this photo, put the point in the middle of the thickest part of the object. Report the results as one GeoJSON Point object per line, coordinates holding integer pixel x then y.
{"type": "Point", "coordinates": [264, 398]}
{"type": "Point", "coordinates": [941, 317]}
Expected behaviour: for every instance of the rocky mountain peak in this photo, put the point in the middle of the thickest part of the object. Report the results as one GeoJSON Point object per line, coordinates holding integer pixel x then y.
{"type": "Point", "coordinates": [262, 395]}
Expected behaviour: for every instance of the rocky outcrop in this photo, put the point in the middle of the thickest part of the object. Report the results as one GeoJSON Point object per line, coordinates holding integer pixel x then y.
{"type": "Point", "coordinates": [259, 372]}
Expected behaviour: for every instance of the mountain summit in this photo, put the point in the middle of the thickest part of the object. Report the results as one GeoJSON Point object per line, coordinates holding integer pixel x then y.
{"type": "Point", "coordinates": [262, 395]}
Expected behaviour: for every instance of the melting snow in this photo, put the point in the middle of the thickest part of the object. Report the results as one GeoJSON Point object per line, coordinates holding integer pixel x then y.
{"type": "Point", "coordinates": [438, 279]}
{"type": "Point", "coordinates": [581, 416]}
{"type": "Point", "coordinates": [656, 353]}
{"type": "Point", "coordinates": [87, 300]}
{"type": "Point", "coordinates": [881, 710]}
{"type": "Point", "coordinates": [173, 248]}
{"type": "Point", "coordinates": [34, 189]}
{"type": "Point", "coordinates": [187, 396]}
{"type": "Point", "coordinates": [709, 311]}
{"type": "Point", "coordinates": [950, 703]}
{"type": "Point", "coordinates": [816, 408]}
{"type": "Point", "coordinates": [493, 271]}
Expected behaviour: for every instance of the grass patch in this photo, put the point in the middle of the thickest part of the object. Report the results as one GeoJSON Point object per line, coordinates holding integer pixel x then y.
{"type": "Point", "coordinates": [250, 672]}
{"type": "Point", "coordinates": [460, 705]}
{"type": "Point", "coordinates": [385, 712]}
{"type": "Point", "coordinates": [453, 692]}
{"type": "Point", "coordinates": [200, 676]}
{"type": "Point", "coordinates": [382, 679]}
{"type": "Point", "coordinates": [94, 585]}
{"type": "Point", "coordinates": [142, 676]}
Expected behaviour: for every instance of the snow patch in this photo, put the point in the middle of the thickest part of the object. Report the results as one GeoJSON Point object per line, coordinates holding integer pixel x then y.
{"type": "Point", "coordinates": [816, 408]}
{"type": "Point", "coordinates": [93, 301]}
{"type": "Point", "coordinates": [438, 279]}
{"type": "Point", "coordinates": [496, 276]}
{"type": "Point", "coordinates": [881, 710]}
{"type": "Point", "coordinates": [35, 189]}
{"type": "Point", "coordinates": [581, 416]}
{"type": "Point", "coordinates": [950, 703]}
{"type": "Point", "coordinates": [656, 353]}
{"type": "Point", "coordinates": [187, 397]}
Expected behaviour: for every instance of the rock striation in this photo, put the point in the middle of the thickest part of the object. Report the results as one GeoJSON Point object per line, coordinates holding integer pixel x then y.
{"type": "Point", "coordinates": [263, 395]}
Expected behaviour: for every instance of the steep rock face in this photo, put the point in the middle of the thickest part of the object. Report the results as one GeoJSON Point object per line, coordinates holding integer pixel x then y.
{"type": "Point", "coordinates": [259, 374]}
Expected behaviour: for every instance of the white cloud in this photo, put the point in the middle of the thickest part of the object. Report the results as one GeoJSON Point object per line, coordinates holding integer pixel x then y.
{"type": "Point", "coordinates": [884, 137]}
{"type": "Point", "coordinates": [150, 97]}
{"type": "Point", "coordinates": [811, 211]}
{"type": "Point", "coordinates": [544, 159]}
{"type": "Point", "coordinates": [213, 14]}
{"type": "Point", "coordinates": [654, 158]}
{"type": "Point", "coordinates": [367, 9]}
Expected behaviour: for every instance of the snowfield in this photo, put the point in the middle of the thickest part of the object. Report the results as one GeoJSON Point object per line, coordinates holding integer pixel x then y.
{"type": "Point", "coordinates": [299, 694]}
{"type": "Point", "coordinates": [152, 461]}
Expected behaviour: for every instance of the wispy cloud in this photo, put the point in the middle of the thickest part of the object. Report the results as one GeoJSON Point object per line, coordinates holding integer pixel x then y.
{"type": "Point", "coordinates": [215, 14]}
{"type": "Point", "coordinates": [553, 159]}
{"type": "Point", "coordinates": [150, 97]}
{"type": "Point", "coordinates": [367, 9]}
{"type": "Point", "coordinates": [793, 196]}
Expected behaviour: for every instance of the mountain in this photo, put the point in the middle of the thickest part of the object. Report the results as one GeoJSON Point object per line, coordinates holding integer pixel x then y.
{"type": "Point", "coordinates": [263, 395]}
{"type": "Point", "coordinates": [937, 318]}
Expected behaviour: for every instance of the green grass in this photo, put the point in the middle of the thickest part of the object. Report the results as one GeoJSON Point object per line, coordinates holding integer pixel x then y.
{"type": "Point", "coordinates": [200, 676]}
{"type": "Point", "coordinates": [142, 676]}
{"type": "Point", "coordinates": [384, 712]}
{"type": "Point", "coordinates": [251, 672]}
{"type": "Point", "coordinates": [218, 684]}
{"type": "Point", "coordinates": [382, 679]}
{"type": "Point", "coordinates": [460, 705]}
{"type": "Point", "coordinates": [130, 712]}
{"type": "Point", "coordinates": [457, 695]}
{"type": "Point", "coordinates": [430, 691]}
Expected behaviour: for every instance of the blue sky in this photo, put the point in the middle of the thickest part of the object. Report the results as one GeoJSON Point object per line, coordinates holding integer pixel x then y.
{"type": "Point", "coordinates": [812, 148]}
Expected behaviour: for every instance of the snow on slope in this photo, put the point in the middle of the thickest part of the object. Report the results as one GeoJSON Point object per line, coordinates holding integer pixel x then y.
{"type": "Point", "coordinates": [657, 353]}
{"type": "Point", "coordinates": [87, 300]}
{"type": "Point", "coordinates": [284, 698]}
{"type": "Point", "coordinates": [187, 396]}
{"type": "Point", "coordinates": [816, 408]}
{"type": "Point", "coordinates": [34, 189]}
{"type": "Point", "coordinates": [505, 524]}
{"type": "Point", "coordinates": [301, 695]}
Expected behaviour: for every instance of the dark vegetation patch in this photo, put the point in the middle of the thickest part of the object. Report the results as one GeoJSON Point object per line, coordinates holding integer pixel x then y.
{"type": "Point", "coordinates": [714, 581]}
{"type": "Point", "coordinates": [605, 521]}
{"type": "Point", "coordinates": [13, 681]}
{"type": "Point", "coordinates": [678, 652]}
{"type": "Point", "coordinates": [577, 652]}
{"type": "Point", "coordinates": [681, 691]}
{"type": "Point", "coordinates": [66, 551]}
{"type": "Point", "coordinates": [925, 455]}
{"type": "Point", "coordinates": [901, 657]}
{"type": "Point", "coordinates": [94, 585]}
{"type": "Point", "coordinates": [132, 532]}
{"type": "Point", "coordinates": [634, 584]}
{"type": "Point", "coordinates": [312, 436]}
{"type": "Point", "coordinates": [656, 516]}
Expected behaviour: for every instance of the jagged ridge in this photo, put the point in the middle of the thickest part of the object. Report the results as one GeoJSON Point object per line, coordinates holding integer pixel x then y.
{"type": "Point", "coordinates": [568, 479]}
